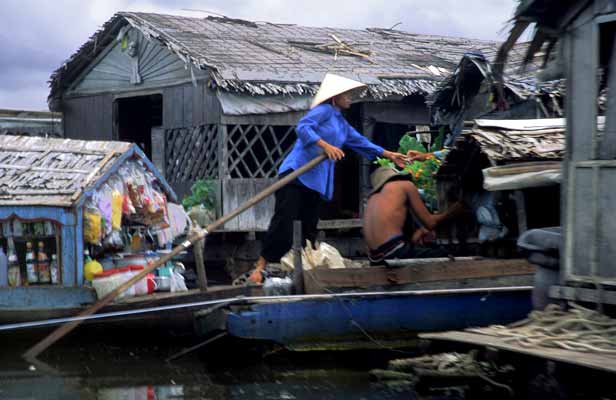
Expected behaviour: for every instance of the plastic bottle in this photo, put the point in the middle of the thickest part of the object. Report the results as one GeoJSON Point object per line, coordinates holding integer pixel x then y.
{"type": "Point", "coordinates": [53, 270]}
{"type": "Point", "coordinates": [14, 269]}
{"type": "Point", "coordinates": [42, 264]}
{"type": "Point", "coordinates": [31, 271]}
{"type": "Point", "coordinates": [90, 267]}
{"type": "Point", "coordinates": [4, 266]}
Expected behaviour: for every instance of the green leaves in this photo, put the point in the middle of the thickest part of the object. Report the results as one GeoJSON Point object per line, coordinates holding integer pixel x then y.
{"type": "Point", "coordinates": [422, 172]}
{"type": "Point", "coordinates": [410, 143]}
{"type": "Point", "coordinates": [203, 192]}
{"type": "Point", "coordinates": [438, 142]}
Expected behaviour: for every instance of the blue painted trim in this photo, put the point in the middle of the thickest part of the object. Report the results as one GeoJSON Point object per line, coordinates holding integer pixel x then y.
{"type": "Point", "coordinates": [44, 298]}
{"type": "Point", "coordinates": [78, 259]}
{"type": "Point", "coordinates": [59, 214]}
{"type": "Point", "coordinates": [313, 320]}
{"type": "Point", "coordinates": [68, 256]}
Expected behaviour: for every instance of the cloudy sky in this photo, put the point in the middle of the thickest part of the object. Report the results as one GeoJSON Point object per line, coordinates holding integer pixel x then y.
{"type": "Point", "coordinates": [36, 36]}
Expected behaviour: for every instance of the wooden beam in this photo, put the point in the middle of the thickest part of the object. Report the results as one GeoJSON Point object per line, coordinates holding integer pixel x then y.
{"type": "Point", "coordinates": [603, 362]}
{"type": "Point", "coordinates": [520, 205]}
{"type": "Point", "coordinates": [298, 269]}
{"type": "Point", "coordinates": [414, 273]}
{"type": "Point", "coordinates": [340, 223]}
{"type": "Point", "coordinates": [200, 264]}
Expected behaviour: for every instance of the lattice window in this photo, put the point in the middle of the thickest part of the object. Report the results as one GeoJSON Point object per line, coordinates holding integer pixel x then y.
{"type": "Point", "coordinates": [256, 151]}
{"type": "Point", "coordinates": [191, 154]}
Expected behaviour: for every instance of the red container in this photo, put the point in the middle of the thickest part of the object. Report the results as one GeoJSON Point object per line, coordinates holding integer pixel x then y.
{"type": "Point", "coordinates": [146, 285]}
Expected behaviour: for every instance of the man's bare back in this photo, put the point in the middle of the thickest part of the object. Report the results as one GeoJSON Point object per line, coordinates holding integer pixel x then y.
{"type": "Point", "coordinates": [387, 210]}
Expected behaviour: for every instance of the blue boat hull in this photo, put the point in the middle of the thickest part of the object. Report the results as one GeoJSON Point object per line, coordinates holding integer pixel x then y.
{"type": "Point", "coordinates": [299, 321]}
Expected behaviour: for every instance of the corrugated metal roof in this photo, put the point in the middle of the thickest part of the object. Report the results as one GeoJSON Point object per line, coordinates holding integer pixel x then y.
{"type": "Point", "coordinates": [40, 171]}
{"type": "Point", "coordinates": [267, 58]}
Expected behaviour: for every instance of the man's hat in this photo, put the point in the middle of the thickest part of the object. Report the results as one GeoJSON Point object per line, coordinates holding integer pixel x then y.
{"type": "Point", "coordinates": [333, 85]}
{"type": "Point", "coordinates": [382, 175]}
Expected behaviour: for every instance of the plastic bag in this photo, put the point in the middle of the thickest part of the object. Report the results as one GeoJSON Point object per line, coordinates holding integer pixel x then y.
{"type": "Point", "coordinates": [103, 200]}
{"type": "Point", "coordinates": [92, 226]}
{"type": "Point", "coordinates": [278, 286]}
{"type": "Point", "coordinates": [177, 279]}
{"type": "Point", "coordinates": [117, 201]}
{"type": "Point", "coordinates": [324, 256]}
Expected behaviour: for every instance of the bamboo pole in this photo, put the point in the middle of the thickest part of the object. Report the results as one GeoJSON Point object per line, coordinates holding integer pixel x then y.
{"type": "Point", "coordinates": [59, 333]}
{"type": "Point", "coordinates": [298, 271]}
{"type": "Point", "coordinates": [200, 264]}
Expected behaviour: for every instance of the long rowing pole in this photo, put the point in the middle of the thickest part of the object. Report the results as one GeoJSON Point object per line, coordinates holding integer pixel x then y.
{"type": "Point", "coordinates": [59, 333]}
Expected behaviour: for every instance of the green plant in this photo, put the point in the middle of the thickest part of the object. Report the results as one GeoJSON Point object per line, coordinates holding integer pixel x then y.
{"type": "Point", "coordinates": [422, 172]}
{"type": "Point", "coordinates": [202, 192]}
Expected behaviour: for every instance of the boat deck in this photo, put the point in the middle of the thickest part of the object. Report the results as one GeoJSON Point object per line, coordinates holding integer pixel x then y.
{"type": "Point", "coordinates": [417, 274]}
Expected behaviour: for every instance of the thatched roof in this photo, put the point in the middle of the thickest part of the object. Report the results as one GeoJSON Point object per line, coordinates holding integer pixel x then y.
{"type": "Point", "coordinates": [520, 140]}
{"type": "Point", "coordinates": [454, 100]}
{"type": "Point", "coordinates": [457, 89]}
{"type": "Point", "coordinates": [536, 143]}
{"type": "Point", "coordinates": [267, 58]}
{"type": "Point", "coordinates": [548, 18]}
{"type": "Point", "coordinates": [57, 172]}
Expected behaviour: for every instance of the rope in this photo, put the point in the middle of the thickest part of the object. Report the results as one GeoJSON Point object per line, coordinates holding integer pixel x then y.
{"type": "Point", "coordinates": [445, 365]}
{"type": "Point", "coordinates": [577, 329]}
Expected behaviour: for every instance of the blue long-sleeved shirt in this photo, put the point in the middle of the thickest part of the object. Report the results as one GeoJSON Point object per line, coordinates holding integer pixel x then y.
{"type": "Point", "coordinates": [327, 123]}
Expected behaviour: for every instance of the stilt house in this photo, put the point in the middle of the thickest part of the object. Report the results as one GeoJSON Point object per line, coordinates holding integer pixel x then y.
{"type": "Point", "coordinates": [218, 98]}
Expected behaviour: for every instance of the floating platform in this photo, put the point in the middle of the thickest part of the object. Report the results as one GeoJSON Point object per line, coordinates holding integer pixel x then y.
{"type": "Point", "coordinates": [584, 359]}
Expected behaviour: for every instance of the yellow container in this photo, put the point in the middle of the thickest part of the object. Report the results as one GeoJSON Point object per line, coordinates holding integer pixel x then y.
{"type": "Point", "coordinates": [91, 268]}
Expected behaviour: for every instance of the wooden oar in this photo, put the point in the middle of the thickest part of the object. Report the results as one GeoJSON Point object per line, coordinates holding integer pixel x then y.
{"type": "Point", "coordinates": [56, 335]}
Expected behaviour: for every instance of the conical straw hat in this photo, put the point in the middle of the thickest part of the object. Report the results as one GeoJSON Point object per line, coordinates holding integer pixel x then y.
{"type": "Point", "coordinates": [382, 175]}
{"type": "Point", "coordinates": [332, 85]}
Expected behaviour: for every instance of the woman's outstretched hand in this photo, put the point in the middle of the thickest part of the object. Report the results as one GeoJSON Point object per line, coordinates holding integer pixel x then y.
{"type": "Point", "coordinates": [397, 158]}
{"type": "Point", "coordinates": [414, 155]}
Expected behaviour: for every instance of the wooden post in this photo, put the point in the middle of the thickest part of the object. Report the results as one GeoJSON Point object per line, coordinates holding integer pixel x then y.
{"type": "Point", "coordinates": [158, 150]}
{"type": "Point", "coordinates": [200, 264]}
{"type": "Point", "coordinates": [298, 271]}
{"type": "Point", "coordinates": [520, 205]}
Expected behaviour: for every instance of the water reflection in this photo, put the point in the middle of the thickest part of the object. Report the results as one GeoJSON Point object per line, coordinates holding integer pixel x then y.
{"type": "Point", "coordinates": [137, 372]}
{"type": "Point", "coordinates": [142, 393]}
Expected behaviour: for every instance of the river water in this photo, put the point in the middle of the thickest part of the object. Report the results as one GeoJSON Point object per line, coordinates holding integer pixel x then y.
{"type": "Point", "coordinates": [135, 371]}
{"type": "Point", "coordinates": [100, 365]}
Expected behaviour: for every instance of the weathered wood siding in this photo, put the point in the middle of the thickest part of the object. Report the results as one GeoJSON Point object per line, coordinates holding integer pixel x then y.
{"type": "Point", "coordinates": [186, 106]}
{"type": "Point", "coordinates": [590, 239]}
{"type": "Point", "coordinates": [115, 69]}
{"type": "Point", "coordinates": [235, 192]}
{"type": "Point", "coordinates": [89, 118]}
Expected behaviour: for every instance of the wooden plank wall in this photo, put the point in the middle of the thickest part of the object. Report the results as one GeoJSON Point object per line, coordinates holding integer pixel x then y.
{"type": "Point", "coordinates": [235, 193]}
{"type": "Point", "coordinates": [89, 118]}
{"type": "Point", "coordinates": [186, 106]}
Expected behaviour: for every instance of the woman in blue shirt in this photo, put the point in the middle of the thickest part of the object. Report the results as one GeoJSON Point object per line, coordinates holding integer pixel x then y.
{"type": "Point", "coordinates": [323, 129]}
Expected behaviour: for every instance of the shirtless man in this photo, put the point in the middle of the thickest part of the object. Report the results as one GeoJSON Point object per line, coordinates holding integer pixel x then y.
{"type": "Point", "coordinates": [393, 197]}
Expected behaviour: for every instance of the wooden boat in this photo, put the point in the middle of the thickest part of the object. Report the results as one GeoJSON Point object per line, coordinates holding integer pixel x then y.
{"type": "Point", "coordinates": [377, 306]}
{"type": "Point", "coordinates": [41, 308]}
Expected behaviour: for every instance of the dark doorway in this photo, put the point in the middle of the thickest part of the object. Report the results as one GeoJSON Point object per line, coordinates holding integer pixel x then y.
{"type": "Point", "coordinates": [388, 135]}
{"type": "Point", "coordinates": [135, 117]}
